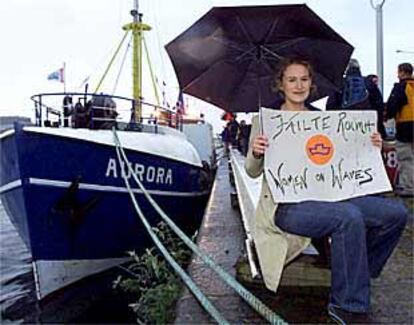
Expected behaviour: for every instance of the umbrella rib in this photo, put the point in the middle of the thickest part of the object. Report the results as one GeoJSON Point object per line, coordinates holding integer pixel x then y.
{"type": "Point", "coordinates": [231, 96]}
{"type": "Point", "coordinates": [272, 53]}
{"type": "Point", "coordinates": [230, 45]}
{"type": "Point", "coordinates": [189, 84]}
{"type": "Point", "coordinates": [284, 44]}
{"type": "Point", "coordinates": [233, 46]}
{"type": "Point", "coordinates": [291, 42]}
{"type": "Point", "coordinates": [271, 29]}
{"type": "Point", "coordinates": [279, 57]}
{"type": "Point", "coordinates": [201, 75]}
{"type": "Point", "coordinates": [275, 23]}
{"type": "Point", "coordinates": [245, 53]}
{"type": "Point", "coordinates": [243, 29]}
{"type": "Point", "coordinates": [266, 64]}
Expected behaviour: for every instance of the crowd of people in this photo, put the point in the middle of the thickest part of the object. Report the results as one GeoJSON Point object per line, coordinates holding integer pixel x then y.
{"type": "Point", "coordinates": [362, 93]}
{"type": "Point", "coordinates": [96, 113]}
{"type": "Point", "coordinates": [236, 135]}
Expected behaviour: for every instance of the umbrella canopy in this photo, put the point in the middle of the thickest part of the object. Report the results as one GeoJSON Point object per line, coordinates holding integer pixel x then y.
{"type": "Point", "coordinates": [230, 55]}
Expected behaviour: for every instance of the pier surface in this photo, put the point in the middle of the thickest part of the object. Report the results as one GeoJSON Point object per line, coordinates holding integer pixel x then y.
{"type": "Point", "coordinates": [303, 294]}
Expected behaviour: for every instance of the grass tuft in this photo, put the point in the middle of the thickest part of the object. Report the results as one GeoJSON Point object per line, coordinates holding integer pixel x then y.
{"type": "Point", "coordinates": [151, 281]}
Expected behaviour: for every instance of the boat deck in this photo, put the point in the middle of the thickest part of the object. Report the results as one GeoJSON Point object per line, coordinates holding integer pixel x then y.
{"type": "Point", "coordinates": [303, 294]}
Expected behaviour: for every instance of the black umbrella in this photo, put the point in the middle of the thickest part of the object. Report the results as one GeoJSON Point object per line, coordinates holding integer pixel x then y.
{"type": "Point", "coordinates": [229, 56]}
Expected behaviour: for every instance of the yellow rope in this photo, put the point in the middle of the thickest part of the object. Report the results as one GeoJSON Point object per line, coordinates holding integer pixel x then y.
{"type": "Point", "coordinates": [110, 62]}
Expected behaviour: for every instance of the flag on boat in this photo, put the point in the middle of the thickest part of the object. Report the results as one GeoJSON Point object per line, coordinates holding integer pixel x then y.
{"type": "Point", "coordinates": [58, 75]}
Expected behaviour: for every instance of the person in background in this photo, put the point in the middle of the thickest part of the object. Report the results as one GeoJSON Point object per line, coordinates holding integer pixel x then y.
{"type": "Point", "coordinates": [243, 137]}
{"type": "Point", "coordinates": [372, 78]}
{"type": "Point", "coordinates": [358, 93]}
{"type": "Point", "coordinates": [376, 102]}
{"type": "Point", "coordinates": [226, 139]}
{"type": "Point", "coordinates": [201, 120]}
{"type": "Point", "coordinates": [81, 115]}
{"type": "Point", "coordinates": [67, 110]}
{"type": "Point", "coordinates": [363, 230]}
{"type": "Point", "coordinates": [233, 129]}
{"type": "Point", "coordinates": [400, 106]}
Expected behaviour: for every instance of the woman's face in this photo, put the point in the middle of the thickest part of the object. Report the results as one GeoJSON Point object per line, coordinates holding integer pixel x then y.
{"type": "Point", "coordinates": [296, 84]}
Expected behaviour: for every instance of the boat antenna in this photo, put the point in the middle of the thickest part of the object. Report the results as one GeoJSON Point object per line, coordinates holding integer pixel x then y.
{"type": "Point", "coordinates": [137, 27]}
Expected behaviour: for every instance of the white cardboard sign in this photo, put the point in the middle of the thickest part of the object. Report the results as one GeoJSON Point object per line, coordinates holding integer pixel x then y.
{"type": "Point", "coordinates": [323, 156]}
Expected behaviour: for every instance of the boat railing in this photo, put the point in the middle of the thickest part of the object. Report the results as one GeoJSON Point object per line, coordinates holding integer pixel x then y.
{"type": "Point", "coordinates": [101, 111]}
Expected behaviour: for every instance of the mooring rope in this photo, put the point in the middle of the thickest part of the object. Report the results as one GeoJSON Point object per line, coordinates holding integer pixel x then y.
{"type": "Point", "coordinates": [208, 306]}
{"type": "Point", "coordinates": [252, 300]}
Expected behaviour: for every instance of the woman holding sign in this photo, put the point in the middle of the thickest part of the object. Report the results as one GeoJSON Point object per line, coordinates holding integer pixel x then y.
{"type": "Point", "coordinates": [363, 230]}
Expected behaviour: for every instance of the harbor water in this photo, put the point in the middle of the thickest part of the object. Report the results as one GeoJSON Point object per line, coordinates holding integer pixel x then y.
{"type": "Point", "coordinates": [92, 300]}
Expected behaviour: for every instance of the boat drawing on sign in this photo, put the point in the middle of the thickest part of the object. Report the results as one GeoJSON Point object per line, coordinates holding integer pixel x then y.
{"type": "Point", "coordinates": [62, 185]}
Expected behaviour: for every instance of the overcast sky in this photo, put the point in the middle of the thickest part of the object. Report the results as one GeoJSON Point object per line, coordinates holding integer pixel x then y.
{"type": "Point", "coordinates": [38, 36]}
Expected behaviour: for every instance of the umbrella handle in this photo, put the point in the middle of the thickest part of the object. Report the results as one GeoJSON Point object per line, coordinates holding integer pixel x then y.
{"type": "Point", "coordinates": [259, 99]}
{"type": "Point", "coordinates": [260, 120]}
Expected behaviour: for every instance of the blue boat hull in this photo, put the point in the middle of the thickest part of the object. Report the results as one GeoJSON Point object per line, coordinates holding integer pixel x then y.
{"type": "Point", "coordinates": [68, 200]}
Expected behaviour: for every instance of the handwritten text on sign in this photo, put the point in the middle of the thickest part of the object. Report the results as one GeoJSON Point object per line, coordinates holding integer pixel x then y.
{"type": "Point", "coordinates": [324, 156]}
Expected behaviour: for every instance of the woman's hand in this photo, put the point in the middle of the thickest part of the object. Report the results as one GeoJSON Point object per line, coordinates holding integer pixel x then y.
{"type": "Point", "coordinates": [376, 139]}
{"type": "Point", "coordinates": [260, 143]}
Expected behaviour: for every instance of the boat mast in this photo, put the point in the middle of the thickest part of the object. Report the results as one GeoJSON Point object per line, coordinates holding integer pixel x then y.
{"type": "Point", "coordinates": [137, 27]}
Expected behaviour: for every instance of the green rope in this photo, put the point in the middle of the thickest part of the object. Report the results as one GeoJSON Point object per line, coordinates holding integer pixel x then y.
{"type": "Point", "coordinates": [253, 301]}
{"type": "Point", "coordinates": [187, 280]}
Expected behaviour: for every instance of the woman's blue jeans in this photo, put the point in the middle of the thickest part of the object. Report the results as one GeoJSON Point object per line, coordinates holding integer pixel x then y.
{"type": "Point", "coordinates": [363, 231]}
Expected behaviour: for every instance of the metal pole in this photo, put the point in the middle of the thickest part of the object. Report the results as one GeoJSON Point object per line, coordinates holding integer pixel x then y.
{"type": "Point", "coordinates": [380, 49]}
{"type": "Point", "coordinates": [64, 77]}
{"type": "Point", "coordinates": [137, 27]}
